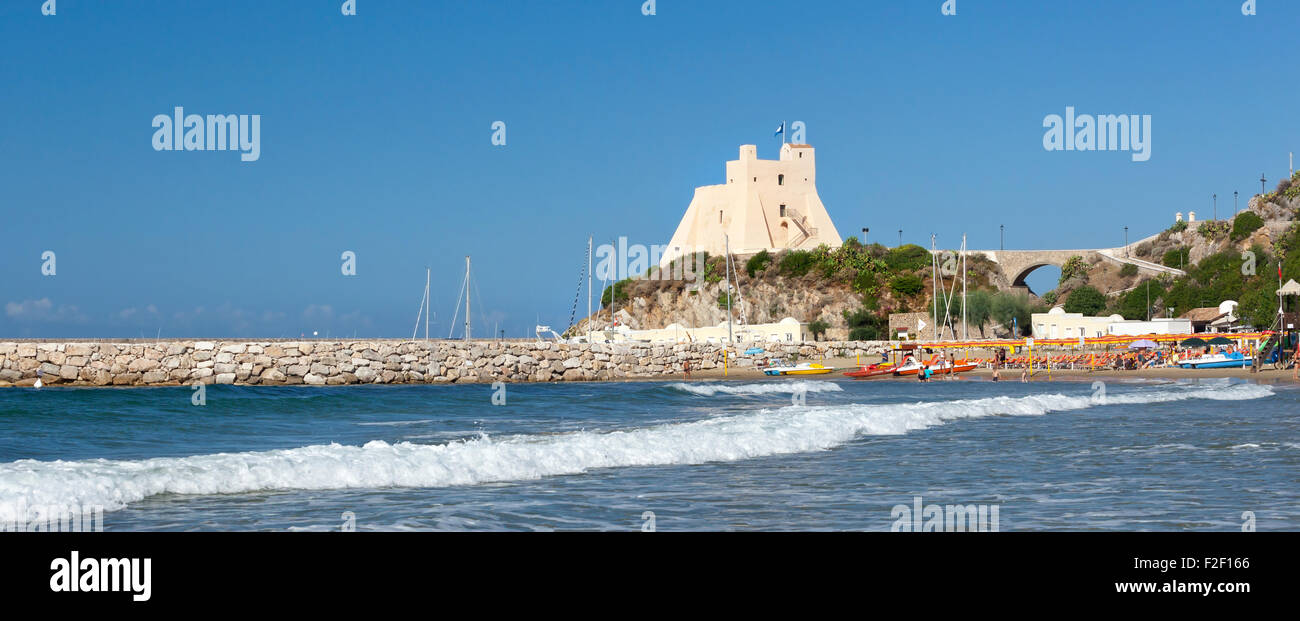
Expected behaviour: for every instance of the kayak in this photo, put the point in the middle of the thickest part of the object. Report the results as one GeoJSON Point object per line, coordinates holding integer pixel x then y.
{"type": "Point", "coordinates": [936, 368]}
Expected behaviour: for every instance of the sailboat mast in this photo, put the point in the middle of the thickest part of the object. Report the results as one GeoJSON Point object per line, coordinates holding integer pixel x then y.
{"type": "Point", "coordinates": [963, 287]}
{"type": "Point", "coordinates": [726, 239]}
{"type": "Point", "coordinates": [427, 274]}
{"type": "Point", "coordinates": [467, 290]}
{"type": "Point", "coordinates": [589, 281]}
{"type": "Point", "coordinates": [934, 279]}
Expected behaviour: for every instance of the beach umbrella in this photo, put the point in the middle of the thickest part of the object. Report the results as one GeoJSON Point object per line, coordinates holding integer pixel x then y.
{"type": "Point", "coordinates": [1142, 344]}
{"type": "Point", "coordinates": [1193, 342]}
{"type": "Point", "coordinates": [1219, 340]}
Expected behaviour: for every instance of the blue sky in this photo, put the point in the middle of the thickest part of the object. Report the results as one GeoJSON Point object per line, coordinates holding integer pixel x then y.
{"type": "Point", "coordinates": [376, 138]}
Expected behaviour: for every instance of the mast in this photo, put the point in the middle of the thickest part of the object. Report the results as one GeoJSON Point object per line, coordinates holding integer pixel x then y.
{"type": "Point", "coordinates": [934, 280]}
{"type": "Point", "coordinates": [467, 289]}
{"type": "Point", "coordinates": [427, 273]}
{"type": "Point", "coordinates": [964, 336]}
{"type": "Point", "coordinates": [589, 280]}
{"type": "Point", "coordinates": [726, 239]}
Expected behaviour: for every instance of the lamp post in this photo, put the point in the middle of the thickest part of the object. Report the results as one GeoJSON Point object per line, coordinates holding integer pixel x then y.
{"type": "Point", "coordinates": [1126, 241]}
{"type": "Point", "coordinates": [1002, 237]}
{"type": "Point", "coordinates": [865, 230]}
{"type": "Point", "coordinates": [1234, 204]}
{"type": "Point", "coordinates": [1214, 198]}
{"type": "Point", "coordinates": [900, 238]}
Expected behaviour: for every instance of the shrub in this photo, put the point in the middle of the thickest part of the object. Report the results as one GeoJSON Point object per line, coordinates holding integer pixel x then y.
{"type": "Point", "coordinates": [906, 285]}
{"type": "Point", "coordinates": [1177, 257]}
{"type": "Point", "coordinates": [758, 263]}
{"type": "Point", "coordinates": [1128, 270]}
{"type": "Point", "coordinates": [618, 290]}
{"type": "Point", "coordinates": [796, 263]}
{"type": "Point", "coordinates": [907, 257]}
{"type": "Point", "coordinates": [866, 326]}
{"type": "Point", "coordinates": [1178, 227]}
{"type": "Point", "coordinates": [1074, 266]}
{"type": "Point", "coordinates": [1086, 300]}
{"type": "Point", "coordinates": [1244, 224]}
{"type": "Point", "coordinates": [1212, 228]}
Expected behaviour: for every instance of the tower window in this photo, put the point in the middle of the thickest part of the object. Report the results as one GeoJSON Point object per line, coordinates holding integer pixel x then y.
{"type": "Point", "coordinates": [719, 216]}
{"type": "Point", "coordinates": [782, 211]}
{"type": "Point", "coordinates": [780, 179]}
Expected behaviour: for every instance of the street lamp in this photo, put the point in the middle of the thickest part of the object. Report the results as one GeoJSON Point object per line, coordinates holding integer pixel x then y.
{"type": "Point", "coordinates": [1002, 237]}
{"type": "Point", "coordinates": [865, 230]}
{"type": "Point", "coordinates": [1215, 199]}
{"type": "Point", "coordinates": [900, 238]}
{"type": "Point", "coordinates": [1126, 241]}
{"type": "Point", "coordinates": [1234, 204]}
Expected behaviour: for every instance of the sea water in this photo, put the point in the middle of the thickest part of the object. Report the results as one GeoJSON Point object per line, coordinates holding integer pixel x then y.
{"type": "Point", "coordinates": [773, 454]}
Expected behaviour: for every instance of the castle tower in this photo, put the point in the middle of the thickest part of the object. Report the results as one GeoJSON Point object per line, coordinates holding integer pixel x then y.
{"type": "Point", "coordinates": [764, 205]}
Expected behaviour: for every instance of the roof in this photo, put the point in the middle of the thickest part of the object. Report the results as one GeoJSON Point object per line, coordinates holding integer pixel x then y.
{"type": "Point", "coordinates": [1206, 313]}
{"type": "Point", "coordinates": [798, 146]}
{"type": "Point", "coordinates": [1290, 288]}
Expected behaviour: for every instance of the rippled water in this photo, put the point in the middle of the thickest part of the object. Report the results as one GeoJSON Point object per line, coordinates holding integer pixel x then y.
{"type": "Point", "coordinates": [700, 455]}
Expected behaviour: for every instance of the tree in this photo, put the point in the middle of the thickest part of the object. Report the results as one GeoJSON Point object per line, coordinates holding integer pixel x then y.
{"type": "Point", "coordinates": [818, 328]}
{"type": "Point", "coordinates": [1244, 224]}
{"type": "Point", "coordinates": [979, 308]}
{"type": "Point", "coordinates": [865, 325]}
{"type": "Point", "coordinates": [1087, 300]}
{"type": "Point", "coordinates": [1012, 309]}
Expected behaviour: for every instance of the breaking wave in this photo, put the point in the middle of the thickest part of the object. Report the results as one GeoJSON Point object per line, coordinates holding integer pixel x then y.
{"type": "Point", "coordinates": [115, 483]}
{"type": "Point", "coordinates": [766, 388]}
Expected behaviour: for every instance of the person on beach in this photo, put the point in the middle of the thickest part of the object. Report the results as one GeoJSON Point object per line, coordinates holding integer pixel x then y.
{"type": "Point", "coordinates": [1024, 374]}
{"type": "Point", "coordinates": [686, 369]}
{"type": "Point", "coordinates": [995, 373]}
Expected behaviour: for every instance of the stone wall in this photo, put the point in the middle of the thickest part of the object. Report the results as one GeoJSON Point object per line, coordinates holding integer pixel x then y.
{"type": "Point", "coordinates": [368, 361]}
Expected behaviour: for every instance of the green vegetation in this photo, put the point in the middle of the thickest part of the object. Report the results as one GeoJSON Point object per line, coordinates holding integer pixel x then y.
{"type": "Point", "coordinates": [818, 328]}
{"type": "Point", "coordinates": [725, 300]}
{"type": "Point", "coordinates": [1244, 224]}
{"type": "Point", "coordinates": [1074, 266]}
{"type": "Point", "coordinates": [758, 263]}
{"type": "Point", "coordinates": [979, 308]}
{"type": "Point", "coordinates": [1211, 229]}
{"type": "Point", "coordinates": [618, 289]}
{"type": "Point", "coordinates": [1050, 297]}
{"type": "Point", "coordinates": [1128, 270]}
{"type": "Point", "coordinates": [1086, 300]}
{"type": "Point", "coordinates": [906, 285]}
{"type": "Point", "coordinates": [1009, 308]}
{"type": "Point", "coordinates": [1178, 227]}
{"type": "Point", "coordinates": [1178, 257]}
{"type": "Point", "coordinates": [1133, 305]}
{"type": "Point", "coordinates": [907, 257]}
{"type": "Point", "coordinates": [865, 325]}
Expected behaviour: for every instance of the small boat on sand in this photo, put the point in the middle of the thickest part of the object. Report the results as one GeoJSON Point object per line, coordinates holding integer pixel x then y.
{"type": "Point", "coordinates": [1220, 360]}
{"type": "Point", "coordinates": [803, 368]}
{"type": "Point", "coordinates": [873, 370]}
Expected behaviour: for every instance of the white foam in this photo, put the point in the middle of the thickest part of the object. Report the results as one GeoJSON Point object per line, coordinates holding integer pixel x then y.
{"type": "Point", "coordinates": [766, 388]}
{"type": "Point", "coordinates": [114, 484]}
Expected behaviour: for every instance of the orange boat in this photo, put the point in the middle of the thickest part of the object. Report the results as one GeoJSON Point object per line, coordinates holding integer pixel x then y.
{"type": "Point", "coordinates": [873, 370]}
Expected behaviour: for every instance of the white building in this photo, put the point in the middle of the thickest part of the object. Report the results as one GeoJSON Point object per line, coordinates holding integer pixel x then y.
{"type": "Point", "coordinates": [1058, 324]}
{"type": "Point", "coordinates": [764, 205]}
{"type": "Point", "coordinates": [788, 330]}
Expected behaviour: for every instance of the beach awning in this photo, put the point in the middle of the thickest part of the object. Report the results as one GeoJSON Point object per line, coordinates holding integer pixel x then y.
{"type": "Point", "coordinates": [1290, 288]}
{"type": "Point", "coordinates": [1219, 340]}
{"type": "Point", "coordinates": [1193, 342]}
{"type": "Point", "coordinates": [1143, 344]}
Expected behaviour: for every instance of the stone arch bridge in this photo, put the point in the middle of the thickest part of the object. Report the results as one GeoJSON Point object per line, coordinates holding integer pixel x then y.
{"type": "Point", "coordinates": [1015, 265]}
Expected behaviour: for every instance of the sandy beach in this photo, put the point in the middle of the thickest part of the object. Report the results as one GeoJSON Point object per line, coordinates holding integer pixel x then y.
{"type": "Point", "coordinates": [1267, 376]}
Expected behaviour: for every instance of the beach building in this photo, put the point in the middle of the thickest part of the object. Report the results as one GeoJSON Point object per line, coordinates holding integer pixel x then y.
{"type": "Point", "coordinates": [1221, 318]}
{"type": "Point", "coordinates": [764, 205]}
{"type": "Point", "coordinates": [1058, 324]}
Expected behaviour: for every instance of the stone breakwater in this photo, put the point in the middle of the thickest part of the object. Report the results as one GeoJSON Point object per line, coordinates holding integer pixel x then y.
{"type": "Point", "coordinates": [320, 363]}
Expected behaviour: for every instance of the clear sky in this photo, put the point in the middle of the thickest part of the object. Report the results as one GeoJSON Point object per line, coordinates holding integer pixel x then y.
{"type": "Point", "coordinates": [376, 138]}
